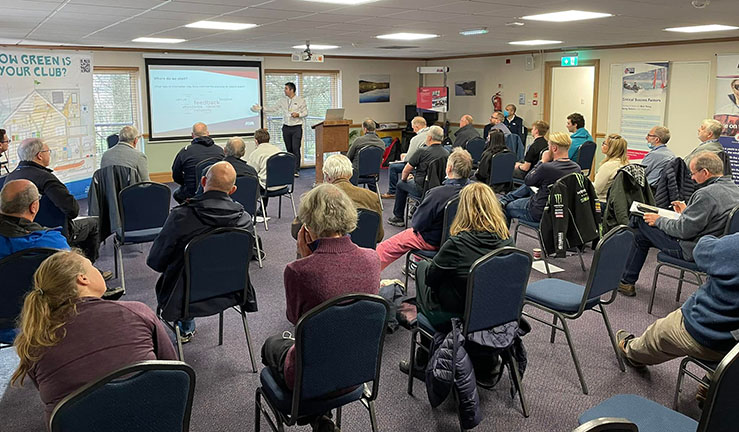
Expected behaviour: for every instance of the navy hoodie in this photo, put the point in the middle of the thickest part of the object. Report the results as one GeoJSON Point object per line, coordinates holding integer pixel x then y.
{"type": "Point", "coordinates": [186, 161]}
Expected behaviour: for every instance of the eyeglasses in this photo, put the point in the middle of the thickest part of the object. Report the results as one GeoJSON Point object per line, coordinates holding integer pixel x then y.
{"type": "Point", "coordinates": [653, 136]}
{"type": "Point", "coordinates": [5, 141]}
{"type": "Point", "coordinates": [693, 173]}
{"type": "Point", "coordinates": [44, 151]}
{"type": "Point", "coordinates": [736, 86]}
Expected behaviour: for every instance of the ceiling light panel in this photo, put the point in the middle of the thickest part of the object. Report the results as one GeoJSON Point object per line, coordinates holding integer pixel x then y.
{"type": "Point", "coordinates": [407, 36]}
{"type": "Point", "coordinates": [567, 16]}
{"type": "Point", "coordinates": [535, 42]}
{"type": "Point", "coordinates": [220, 25]}
{"type": "Point", "coordinates": [158, 40]}
{"type": "Point", "coordinates": [702, 28]}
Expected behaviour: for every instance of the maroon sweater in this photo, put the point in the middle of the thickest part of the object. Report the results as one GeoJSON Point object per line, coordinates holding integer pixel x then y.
{"type": "Point", "coordinates": [335, 268]}
{"type": "Point", "coordinates": [104, 336]}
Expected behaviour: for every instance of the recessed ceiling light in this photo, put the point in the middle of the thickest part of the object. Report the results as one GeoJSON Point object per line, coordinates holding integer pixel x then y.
{"type": "Point", "coordinates": [317, 46]}
{"type": "Point", "coordinates": [343, 2]}
{"type": "Point", "coordinates": [474, 32]}
{"type": "Point", "coordinates": [218, 25]}
{"type": "Point", "coordinates": [535, 42]}
{"type": "Point", "coordinates": [407, 36]}
{"type": "Point", "coordinates": [158, 40]}
{"type": "Point", "coordinates": [702, 28]}
{"type": "Point", "coordinates": [566, 16]}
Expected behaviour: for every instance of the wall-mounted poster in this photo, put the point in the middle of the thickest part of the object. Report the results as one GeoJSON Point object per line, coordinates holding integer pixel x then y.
{"type": "Point", "coordinates": [465, 88]}
{"type": "Point", "coordinates": [643, 102]}
{"type": "Point", "coordinates": [433, 99]}
{"type": "Point", "coordinates": [374, 88]}
{"type": "Point", "coordinates": [727, 108]}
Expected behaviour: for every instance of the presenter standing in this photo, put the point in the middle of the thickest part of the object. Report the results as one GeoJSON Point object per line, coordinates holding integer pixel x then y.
{"type": "Point", "coordinates": [293, 110]}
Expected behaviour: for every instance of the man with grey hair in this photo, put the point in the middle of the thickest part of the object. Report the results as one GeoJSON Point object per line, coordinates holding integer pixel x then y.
{"type": "Point", "coordinates": [19, 204]}
{"type": "Point", "coordinates": [659, 155]}
{"type": "Point", "coordinates": [125, 153]}
{"type": "Point", "coordinates": [706, 213]}
{"type": "Point", "coordinates": [234, 150]}
{"type": "Point", "coordinates": [83, 232]}
{"type": "Point", "coordinates": [708, 132]}
{"type": "Point", "coordinates": [185, 163]}
{"type": "Point", "coordinates": [369, 139]}
{"type": "Point", "coordinates": [466, 132]}
{"type": "Point", "coordinates": [497, 121]}
{"type": "Point", "coordinates": [419, 140]}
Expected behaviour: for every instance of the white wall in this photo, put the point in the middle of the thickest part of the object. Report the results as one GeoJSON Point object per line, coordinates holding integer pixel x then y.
{"type": "Point", "coordinates": [572, 91]}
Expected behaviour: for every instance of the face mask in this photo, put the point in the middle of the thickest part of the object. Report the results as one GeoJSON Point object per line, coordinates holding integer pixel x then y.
{"type": "Point", "coordinates": [506, 113]}
{"type": "Point", "coordinates": [651, 146]}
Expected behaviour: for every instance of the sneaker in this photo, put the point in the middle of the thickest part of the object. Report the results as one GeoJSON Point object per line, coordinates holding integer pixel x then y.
{"type": "Point", "coordinates": [396, 221]}
{"type": "Point", "coordinates": [261, 219]}
{"type": "Point", "coordinates": [622, 339]}
{"type": "Point", "coordinates": [388, 196]}
{"type": "Point", "coordinates": [113, 293]}
{"type": "Point", "coordinates": [418, 373]}
{"type": "Point", "coordinates": [186, 337]}
{"type": "Point", "coordinates": [412, 273]}
{"type": "Point", "coordinates": [324, 424]}
{"type": "Point", "coordinates": [628, 290]}
{"type": "Point", "coordinates": [297, 174]}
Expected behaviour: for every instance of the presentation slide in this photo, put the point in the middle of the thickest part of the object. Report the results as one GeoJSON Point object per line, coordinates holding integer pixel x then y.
{"type": "Point", "coordinates": [219, 94]}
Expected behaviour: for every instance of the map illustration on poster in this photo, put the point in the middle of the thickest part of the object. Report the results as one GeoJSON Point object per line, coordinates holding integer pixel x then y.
{"type": "Point", "coordinates": [727, 108]}
{"type": "Point", "coordinates": [48, 95]}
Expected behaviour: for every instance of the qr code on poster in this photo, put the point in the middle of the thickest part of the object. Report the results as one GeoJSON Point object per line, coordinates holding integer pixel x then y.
{"type": "Point", "coordinates": [84, 65]}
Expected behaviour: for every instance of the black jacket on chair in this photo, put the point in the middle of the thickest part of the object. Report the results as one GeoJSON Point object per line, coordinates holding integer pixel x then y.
{"type": "Point", "coordinates": [102, 197]}
{"type": "Point", "coordinates": [569, 218]}
{"type": "Point", "coordinates": [629, 185]}
{"type": "Point", "coordinates": [674, 184]}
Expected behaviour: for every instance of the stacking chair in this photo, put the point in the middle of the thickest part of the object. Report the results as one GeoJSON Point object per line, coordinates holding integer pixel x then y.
{"type": "Point", "coordinates": [50, 216]}
{"type": "Point", "coordinates": [566, 300]}
{"type": "Point", "coordinates": [201, 168]}
{"type": "Point", "coordinates": [217, 274]}
{"type": "Point", "coordinates": [368, 223]}
{"type": "Point", "coordinates": [144, 208]}
{"type": "Point", "coordinates": [154, 395]}
{"type": "Point", "coordinates": [719, 411]}
{"type": "Point", "coordinates": [501, 169]}
{"type": "Point", "coordinates": [450, 211]}
{"type": "Point", "coordinates": [683, 266]}
{"type": "Point", "coordinates": [475, 147]}
{"type": "Point", "coordinates": [280, 181]}
{"type": "Point", "coordinates": [370, 159]}
{"type": "Point", "coordinates": [607, 424]}
{"type": "Point", "coordinates": [112, 140]}
{"type": "Point", "coordinates": [585, 156]}
{"type": "Point", "coordinates": [247, 194]}
{"type": "Point", "coordinates": [495, 293]}
{"type": "Point", "coordinates": [338, 352]}
{"type": "Point", "coordinates": [16, 272]}
{"type": "Point", "coordinates": [433, 167]}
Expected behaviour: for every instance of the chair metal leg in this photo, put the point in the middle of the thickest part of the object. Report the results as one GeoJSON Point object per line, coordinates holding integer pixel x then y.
{"type": "Point", "coordinates": [259, 249]}
{"type": "Point", "coordinates": [179, 342]}
{"type": "Point", "coordinates": [373, 417]}
{"type": "Point", "coordinates": [554, 328]}
{"type": "Point", "coordinates": [292, 201]}
{"type": "Point", "coordinates": [582, 263]}
{"type": "Point", "coordinates": [379, 196]}
{"type": "Point", "coordinates": [544, 255]}
{"type": "Point", "coordinates": [264, 214]}
{"type": "Point", "coordinates": [680, 285]}
{"type": "Point", "coordinates": [613, 338]}
{"type": "Point", "coordinates": [220, 328]}
{"type": "Point", "coordinates": [574, 356]}
{"type": "Point", "coordinates": [279, 207]}
{"type": "Point", "coordinates": [412, 361]}
{"type": "Point", "coordinates": [115, 258]}
{"type": "Point", "coordinates": [513, 369]}
{"type": "Point", "coordinates": [257, 411]}
{"type": "Point", "coordinates": [407, 271]}
{"type": "Point", "coordinates": [678, 386]}
{"type": "Point", "coordinates": [654, 287]}
{"type": "Point", "coordinates": [248, 340]}
{"type": "Point", "coordinates": [119, 253]}
{"type": "Point", "coordinates": [338, 417]}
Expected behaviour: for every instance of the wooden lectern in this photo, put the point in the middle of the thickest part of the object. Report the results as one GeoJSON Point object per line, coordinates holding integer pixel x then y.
{"type": "Point", "coordinates": [331, 136]}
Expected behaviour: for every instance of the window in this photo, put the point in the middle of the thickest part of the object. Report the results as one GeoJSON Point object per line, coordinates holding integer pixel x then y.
{"type": "Point", "coordinates": [116, 94]}
{"type": "Point", "coordinates": [321, 91]}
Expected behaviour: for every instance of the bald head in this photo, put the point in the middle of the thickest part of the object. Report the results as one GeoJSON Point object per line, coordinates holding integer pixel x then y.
{"type": "Point", "coordinates": [221, 176]}
{"type": "Point", "coordinates": [199, 129]}
{"type": "Point", "coordinates": [465, 120]}
{"type": "Point", "coordinates": [19, 198]}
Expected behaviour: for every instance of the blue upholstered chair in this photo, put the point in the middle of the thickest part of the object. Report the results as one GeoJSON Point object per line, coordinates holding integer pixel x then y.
{"type": "Point", "coordinates": [247, 194]}
{"type": "Point", "coordinates": [475, 147]}
{"type": "Point", "coordinates": [370, 160]}
{"type": "Point", "coordinates": [338, 352]}
{"type": "Point", "coordinates": [566, 300]}
{"type": "Point", "coordinates": [495, 294]}
{"type": "Point", "coordinates": [365, 235]}
{"type": "Point", "coordinates": [585, 155]}
{"type": "Point", "coordinates": [201, 169]}
{"type": "Point", "coordinates": [501, 169]}
{"type": "Point", "coordinates": [280, 181]}
{"type": "Point", "coordinates": [153, 395]}
{"type": "Point", "coordinates": [50, 216]}
{"type": "Point", "coordinates": [144, 208]}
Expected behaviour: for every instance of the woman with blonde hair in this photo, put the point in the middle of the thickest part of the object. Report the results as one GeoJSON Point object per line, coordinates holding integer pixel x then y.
{"type": "Point", "coordinates": [614, 147]}
{"type": "Point", "coordinates": [70, 337]}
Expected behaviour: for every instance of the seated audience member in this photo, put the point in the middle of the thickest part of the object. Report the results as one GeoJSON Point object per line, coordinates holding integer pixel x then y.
{"type": "Point", "coordinates": [368, 139]}
{"type": "Point", "coordinates": [659, 155]}
{"type": "Point", "coordinates": [419, 127]}
{"type": "Point", "coordinates": [213, 209]}
{"type": "Point", "coordinates": [234, 150]}
{"type": "Point", "coordinates": [84, 232]}
{"type": "Point", "coordinates": [513, 122]}
{"type": "Point", "coordinates": [706, 213]}
{"type": "Point", "coordinates": [19, 203]}
{"type": "Point", "coordinates": [258, 159]}
{"type": "Point", "coordinates": [495, 145]}
{"type": "Point", "coordinates": [478, 229]}
{"type": "Point", "coordinates": [331, 265]}
{"type": "Point", "coordinates": [703, 326]}
{"type": "Point", "coordinates": [708, 132]}
{"type": "Point", "coordinates": [125, 153]}
{"type": "Point", "coordinates": [554, 164]}
{"type": "Point", "coordinates": [70, 337]}
{"type": "Point", "coordinates": [465, 132]}
{"type": "Point", "coordinates": [539, 130]}
{"type": "Point", "coordinates": [614, 147]}
{"type": "Point", "coordinates": [576, 126]}
{"type": "Point", "coordinates": [497, 121]}
{"type": "Point", "coordinates": [428, 221]}
{"type": "Point", "coordinates": [185, 163]}
{"type": "Point", "coordinates": [4, 141]}
{"type": "Point", "coordinates": [417, 165]}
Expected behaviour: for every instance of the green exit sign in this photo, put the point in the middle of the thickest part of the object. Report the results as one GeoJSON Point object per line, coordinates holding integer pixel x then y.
{"type": "Point", "coordinates": [569, 61]}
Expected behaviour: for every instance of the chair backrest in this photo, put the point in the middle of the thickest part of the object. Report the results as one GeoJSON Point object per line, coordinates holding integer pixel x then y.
{"type": "Point", "coordinates": [450, 212]}
{"type": "Point", "coordinates": [732, 225]}
{"type": "Point", "coordinates": [476, 146]}
{"type": "Point", "coordinates": [609, 262]}
{"type": "Point", "coordinates": [365, 235]}
{"type": "Point", "coordinates": [501, 168]}
{"type": "Point", "coordinates": [112, 140]}
{"type": "Point", "coordinates": [247, 191]}
{"type": "Point", "coordinates": [143, 206]}
{"type": "Point", "coordinates": [435, 172]}
{"type": "Point", "coordinates": [216, 265]}
{"type": "Point", "coordinates": [585, 155]}
{"type": "Point", "coordinates": [370, 159]}
{"type": "Point", "coordinates": [514, 144]}
{"type": "Point", "coordinates": [2, 180]}
{"type": "Point", "coordinates": [201, 168]}
{"type": "Point", "coordinates": [607, 424]}
{"type": "Point", "coordinates": [16, 272]}
{"type": "Point", "coordinates": [151, 395]}
{"type": "Point", "coordinates": [50, 216]}
{"type": "Point", "coordinates": [339, 345]}
{"type": "Point", "coordinates": [280, 170]}
{"type": "Point", "coordinates": [720, 408]}
{"type": "Point", "coordinates": [496, 288]}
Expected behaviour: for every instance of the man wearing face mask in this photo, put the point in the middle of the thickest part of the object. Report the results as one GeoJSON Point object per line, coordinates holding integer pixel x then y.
{"type": "Point", "coordinates": [659, 155]}
{"type": "Point", "coordinates": [514, 122]}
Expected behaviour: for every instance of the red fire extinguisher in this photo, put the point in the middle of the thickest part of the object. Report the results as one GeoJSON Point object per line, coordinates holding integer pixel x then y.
{"type": "Point", "coordinates": [497, 102]}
